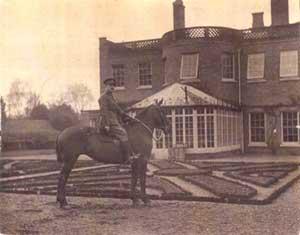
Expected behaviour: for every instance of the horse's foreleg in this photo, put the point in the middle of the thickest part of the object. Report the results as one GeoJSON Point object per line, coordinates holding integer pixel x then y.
{"type": "Point", "coordinates": [62, 180]}
{"type": "Point", "coordinates": [143, 178]}
{"type": "Point", "coordinates": [134, 178]}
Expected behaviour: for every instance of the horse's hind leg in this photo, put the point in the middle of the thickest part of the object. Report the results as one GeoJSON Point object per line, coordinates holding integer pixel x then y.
{"type": "Point", "coordinates": [142, 173]}
{"type": "Point", "coordinates": [62, 180]}
{"type": "Point", "coordinates": [134, 178]}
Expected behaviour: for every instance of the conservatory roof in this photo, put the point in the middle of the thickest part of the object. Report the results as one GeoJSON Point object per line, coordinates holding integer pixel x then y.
{"type": "Point", "coordinates": [181, 95]}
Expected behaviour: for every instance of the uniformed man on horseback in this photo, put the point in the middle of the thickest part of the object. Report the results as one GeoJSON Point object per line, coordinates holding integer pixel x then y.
{"type": "Point", "coordinates": [110, 115]}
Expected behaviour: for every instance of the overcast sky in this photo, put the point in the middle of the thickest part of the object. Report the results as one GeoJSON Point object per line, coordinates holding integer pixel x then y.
{"type": "Point", "coordinates": [51, 43]}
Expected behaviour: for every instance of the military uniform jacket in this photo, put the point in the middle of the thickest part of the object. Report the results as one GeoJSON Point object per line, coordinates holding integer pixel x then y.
{"type": "Point", "coordinates": [110, 111]}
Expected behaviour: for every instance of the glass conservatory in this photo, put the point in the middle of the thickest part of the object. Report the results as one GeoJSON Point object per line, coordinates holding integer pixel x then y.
{"type": "Point", "coordinates": [200, 123]}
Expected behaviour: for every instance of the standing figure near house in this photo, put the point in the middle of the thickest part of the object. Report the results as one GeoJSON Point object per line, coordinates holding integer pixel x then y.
{"type": "Point", "coordinates": [111, 115]}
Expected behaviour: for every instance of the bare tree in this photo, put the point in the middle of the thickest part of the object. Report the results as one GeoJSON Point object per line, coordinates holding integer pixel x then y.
{"type": "Point", "coordinates": [17, 98]}
{"type": "Point", "coordinates": [32, 100]}
{"type": "Point", "coordinates": [79, 96]}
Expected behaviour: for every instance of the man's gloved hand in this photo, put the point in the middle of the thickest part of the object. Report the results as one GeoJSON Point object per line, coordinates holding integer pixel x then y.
{"type": "Point", "coordinates": [107, 128]}
{"type": "Point", "coordinates": [126, 118]}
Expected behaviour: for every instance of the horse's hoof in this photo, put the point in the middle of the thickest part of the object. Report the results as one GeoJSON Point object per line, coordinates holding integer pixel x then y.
{"type": "Point", "coordinates": [135, 203]}
{"type": "Point", "coordinates": [147, 202]}
{"type": "Point", "coordinates": [64, 205]}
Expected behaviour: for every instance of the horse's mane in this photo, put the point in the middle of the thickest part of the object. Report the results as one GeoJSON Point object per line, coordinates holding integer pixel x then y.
{"type": "Point", "coordinates": [139, 113]}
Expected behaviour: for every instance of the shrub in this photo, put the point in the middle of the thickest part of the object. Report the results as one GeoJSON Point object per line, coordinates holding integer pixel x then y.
{"type": "Point", "coordinates": [62, 116]}
{"type": "Point", "coordinates": [40, 112]}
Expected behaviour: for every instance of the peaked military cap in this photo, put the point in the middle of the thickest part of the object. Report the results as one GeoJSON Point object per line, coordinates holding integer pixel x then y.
{"type": "Point", "coordinates": [109, 81]}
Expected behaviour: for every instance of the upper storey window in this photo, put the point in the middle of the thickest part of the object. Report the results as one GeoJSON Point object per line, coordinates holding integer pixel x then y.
{"type": "Point", "coordinates": [228, 67]}
{"type": "Point", "coordinates": [119, 74]}
{"type": "Point", "coordinates": [289, 64]}
{"type": "Point", "coordinates": [145, 74]}
{"type": "Point", "coordinates": [256, 66]}
{"type": "Point", "coordinates": [189, 66]}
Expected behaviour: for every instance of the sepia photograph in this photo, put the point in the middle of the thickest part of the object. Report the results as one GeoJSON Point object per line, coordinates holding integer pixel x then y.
{"type": "Point", "coordinates": [150, 117]}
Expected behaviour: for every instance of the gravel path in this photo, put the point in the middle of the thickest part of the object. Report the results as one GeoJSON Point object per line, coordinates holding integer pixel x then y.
{"type": "Point", "coordinates": [36, 214]}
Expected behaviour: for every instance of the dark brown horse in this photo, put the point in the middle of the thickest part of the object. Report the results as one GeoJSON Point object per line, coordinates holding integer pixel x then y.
{"type": "Point", "coordinates": [77, 140]}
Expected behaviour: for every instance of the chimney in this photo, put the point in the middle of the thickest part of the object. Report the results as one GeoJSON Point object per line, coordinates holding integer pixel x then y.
{"type": "Point", "coordinates": [280, 12]}
{"type": "Point", "coordinates": [178, 14]}
{"type": "Point", "coordinates": [258, 20]}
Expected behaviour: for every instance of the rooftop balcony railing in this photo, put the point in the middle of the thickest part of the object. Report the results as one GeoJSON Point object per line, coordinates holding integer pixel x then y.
{"type": "Point", "coordinates": [142, 44]}
{"type": "Point", "coordinates": [269, 33]}
{"type": "Point", "coordinates": [201, 33]}
{"type": "Point", "coordinates": [217, 34]}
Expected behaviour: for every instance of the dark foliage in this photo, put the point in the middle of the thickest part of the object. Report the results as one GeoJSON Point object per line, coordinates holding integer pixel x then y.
{"type": "Point", "coordinates": [2, 110]}
{"type": "Point", "coordinates": [62, 116]}
{"type": "Point", "coordinates": [40, 112]}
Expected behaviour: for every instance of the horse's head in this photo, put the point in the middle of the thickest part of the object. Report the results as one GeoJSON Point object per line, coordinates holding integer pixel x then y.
{"type": "Point", "coordinates": [160, 120]}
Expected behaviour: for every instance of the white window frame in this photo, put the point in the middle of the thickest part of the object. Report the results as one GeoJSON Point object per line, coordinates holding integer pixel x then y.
{"type": "Point", "coordinates": [285, 143]}
{"type": "Point", "coordinates": [256, 143]}
{"type": "Point", "coordinates": [234, 144]}
{"type": "Point", "coordinates": [114, 67]}
{"type": "Point", "coordinates": [252, 57]}
{"type": "Point", "coordinates": [196, 68]}
{"type": "Point", "coordinates": [225, 56]}
{"type": "Point", "coordinates": [283, 56]}
{"type": "Point", "coordinates": [139, 78]}
{"type": "Point", "coordinates": [191, 115]}
{"type": "Point", "coordinates": [181, 115]}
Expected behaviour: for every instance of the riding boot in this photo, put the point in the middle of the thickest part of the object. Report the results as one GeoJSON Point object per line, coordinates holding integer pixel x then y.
{"type": "Point", "coordinates": [126, 151]}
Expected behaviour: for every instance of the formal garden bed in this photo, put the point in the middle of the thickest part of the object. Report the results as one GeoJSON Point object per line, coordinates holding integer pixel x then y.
{"type": "Point", "coordinates": [181, 172]}
{"type": "Point", "coordinates": [238, 166]}
{"type": "Point", "coordinates": [262, 176]}
{"type": "Point", "coordinates": [118, 187]}
{"type": "Point", "coordinates": [260, 180]}
{"type": "Point", "coordinates": [276, 174]}
{"type": "Point", "coordinates": [114, 181]}
{"type": "Point", "coordinates": [24, 167]}
{"type": "Point", "coordinates": [261, 167]}
{"type": "Point", "coordinates": [165, 164]}
{"type": "Point", "coordinates": [3, 164]}
{"type": "Point", "coordinates": [222, 187]}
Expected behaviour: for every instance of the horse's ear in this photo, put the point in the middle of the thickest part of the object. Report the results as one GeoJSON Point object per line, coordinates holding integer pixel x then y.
{"type": "Point", "coordinates": [160, 102]}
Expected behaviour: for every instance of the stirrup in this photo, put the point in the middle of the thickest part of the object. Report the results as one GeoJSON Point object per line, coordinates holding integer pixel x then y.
{"type": "Point", "coordinates": [135, 156]}
{"type": "Point", "coordinates": [126, 163]}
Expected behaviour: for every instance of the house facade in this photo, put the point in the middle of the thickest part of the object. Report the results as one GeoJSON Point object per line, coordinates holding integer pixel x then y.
{"type": "Point", "coordinates": [224, 89]}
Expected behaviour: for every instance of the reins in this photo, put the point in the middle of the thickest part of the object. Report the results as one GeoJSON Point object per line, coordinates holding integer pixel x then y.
{"type": "Point", "coordinates": [148, 129]}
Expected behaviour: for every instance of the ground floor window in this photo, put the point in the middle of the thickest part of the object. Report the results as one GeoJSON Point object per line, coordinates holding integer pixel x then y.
{"type": "Point", "coordinates": [189, 135]}
{"type": "Point", "coordinates": [202, 128]}
{"type": "Point", "coordinates": [290, 127]}
{"type": "Point", "coordinates": [257, 130]}
{"type": "Point", "coordinates": [228, 128]}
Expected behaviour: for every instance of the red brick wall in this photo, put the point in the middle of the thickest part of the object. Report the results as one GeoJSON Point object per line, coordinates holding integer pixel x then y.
{"type": "Point", "coordinates": [130, 59]}
{"type": "Point", "coordinates": [210, 66]}
{"type": "Point", "coordinates": [272, 91]}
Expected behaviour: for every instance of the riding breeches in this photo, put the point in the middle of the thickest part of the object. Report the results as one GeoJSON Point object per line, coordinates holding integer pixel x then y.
{"type": "Point", "coordinates": [119, 132]}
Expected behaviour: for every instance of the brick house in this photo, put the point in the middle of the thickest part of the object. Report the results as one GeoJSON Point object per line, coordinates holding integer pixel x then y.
{"type": "Point", "coordinates": [251, 77]}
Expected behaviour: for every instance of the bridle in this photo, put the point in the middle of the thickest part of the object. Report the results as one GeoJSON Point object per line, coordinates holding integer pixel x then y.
{"type": "Point", "coordinates": [149, 129]}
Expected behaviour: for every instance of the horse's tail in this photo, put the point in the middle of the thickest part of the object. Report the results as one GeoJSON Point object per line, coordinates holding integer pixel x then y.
{"type": "Point", "coordinates": [59, 155]}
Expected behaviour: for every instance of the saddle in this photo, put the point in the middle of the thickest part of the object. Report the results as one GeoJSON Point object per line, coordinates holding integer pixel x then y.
{"type": "Point", "coordinates": [103, 135]}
